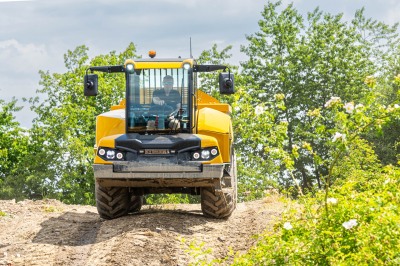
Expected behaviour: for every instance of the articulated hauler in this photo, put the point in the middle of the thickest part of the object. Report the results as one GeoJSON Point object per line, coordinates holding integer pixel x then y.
{"type": "Point", "coordinates": [145, 145]}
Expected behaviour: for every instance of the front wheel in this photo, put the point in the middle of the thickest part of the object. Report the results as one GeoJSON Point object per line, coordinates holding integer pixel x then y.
{"type": "Point", "coordinates": [220, 203]}
{"type": "Point", "coordinates": [112, 202]}
{"type": "Point", "coordinates": [217, 203]}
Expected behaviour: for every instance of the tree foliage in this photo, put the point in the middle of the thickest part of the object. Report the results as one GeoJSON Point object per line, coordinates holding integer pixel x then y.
{"type": "Point", "coordinates": [13, 148]}
{"type": "Point", "coordinates": [310, 61]}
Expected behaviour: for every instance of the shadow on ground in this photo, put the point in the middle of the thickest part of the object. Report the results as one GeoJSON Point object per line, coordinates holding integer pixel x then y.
{"type": "Point", "coordinates": [80, 229]}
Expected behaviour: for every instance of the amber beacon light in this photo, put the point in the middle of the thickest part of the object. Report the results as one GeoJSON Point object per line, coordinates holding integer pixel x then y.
{"type": "Point", "coordinates": [152, 53]}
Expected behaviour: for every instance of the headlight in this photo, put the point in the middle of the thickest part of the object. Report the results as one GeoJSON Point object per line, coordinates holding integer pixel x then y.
{"type": "Point", "coordinates": [130, 68]}
{"type": "Point", "coordinates": [102, 152]}
{"type": "Point", "coordinates": [186, 66]}
{"type": "Point", "coordinates": [205, 154]}
{"type": "Point", "coordinates": [111, 154]}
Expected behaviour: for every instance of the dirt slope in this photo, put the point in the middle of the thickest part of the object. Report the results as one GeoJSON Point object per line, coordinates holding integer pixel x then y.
{"type": "Point", "coordinates": [52, 233]}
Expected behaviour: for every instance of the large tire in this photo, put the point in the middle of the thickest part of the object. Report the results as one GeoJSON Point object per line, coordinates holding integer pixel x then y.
{"type": "Point", "coordinates": [112, 202]}
{"type": "Point", "coordinates": [221, 203]}
{"type": "Point", "coordinates": [136, 203]}
{"type": "Point", "coordinates": [217, 203]}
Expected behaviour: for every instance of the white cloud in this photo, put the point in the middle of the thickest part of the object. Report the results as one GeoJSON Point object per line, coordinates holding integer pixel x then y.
{"type": "Point", "coordinates": [19, 67]}
{"type": "Point", "coordinates": [27, 59]}
{"type": "Point", "coordinates": [22, 58]}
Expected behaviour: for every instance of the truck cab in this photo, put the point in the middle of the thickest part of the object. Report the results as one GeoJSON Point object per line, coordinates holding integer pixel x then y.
{"type": "Point", "coordinates": [166, 136]}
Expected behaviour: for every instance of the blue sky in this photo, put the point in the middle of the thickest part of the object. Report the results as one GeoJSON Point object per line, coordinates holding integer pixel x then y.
{"type": "Point", "coordinates": [34, 35]}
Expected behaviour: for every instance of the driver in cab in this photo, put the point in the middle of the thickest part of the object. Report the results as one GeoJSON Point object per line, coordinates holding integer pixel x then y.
{"type": "Point", "coordinates": [168, 102]}
{"type": "Point", "coordinates": [167, 96]}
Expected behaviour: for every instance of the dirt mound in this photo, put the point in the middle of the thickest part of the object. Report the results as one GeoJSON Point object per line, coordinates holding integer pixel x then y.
{"type": "Point", "coordinates": [51, 233]}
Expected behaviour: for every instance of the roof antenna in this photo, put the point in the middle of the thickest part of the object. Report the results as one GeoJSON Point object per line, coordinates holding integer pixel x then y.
{"type": "Point", "coordinates": [191, 56]}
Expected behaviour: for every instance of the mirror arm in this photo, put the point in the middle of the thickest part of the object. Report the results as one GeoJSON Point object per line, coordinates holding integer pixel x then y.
{"type": "Point", "coordinates": [107, 69]}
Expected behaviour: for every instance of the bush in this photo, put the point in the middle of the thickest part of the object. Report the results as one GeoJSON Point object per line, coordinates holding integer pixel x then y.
{"type": "Point", "coordinates": [358, 223]}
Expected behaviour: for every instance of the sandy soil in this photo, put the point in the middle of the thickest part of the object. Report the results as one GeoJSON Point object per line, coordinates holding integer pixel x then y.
{"type": "Point", "coordinates": [51, 233]}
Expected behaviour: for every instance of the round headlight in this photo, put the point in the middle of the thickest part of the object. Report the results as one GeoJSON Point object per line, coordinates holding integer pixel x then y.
{"type": "Point", "coordinates": [205, 154]}
{"type": "Point", "coordinates": [120, 156]}
{"type": "Point", "coordinates": [214, 152]}
{"type": "Point", "coordinates": [196, 155]}
{"type": "Point", "coordinates": [186, 66]}
{"type": "Point", "coordinates": [110, 154]}
{"type": "Point", "coordinates": [102, 152]}
{"type": "Point", "coordinates": [130, 68]}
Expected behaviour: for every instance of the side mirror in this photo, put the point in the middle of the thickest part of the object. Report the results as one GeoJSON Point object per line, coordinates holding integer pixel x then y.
{"type": "Point", "coordinates": [226, 84]}
{"type": "Point", "coordinates": [90, 85]}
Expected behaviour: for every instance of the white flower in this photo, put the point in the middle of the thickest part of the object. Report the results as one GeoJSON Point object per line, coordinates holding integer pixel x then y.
{"type": "Point", "coordinates": [259, 110]}
{"type": "Point", "coordinates": [339, 136]}
{"type": "Point", "coordinates": [332, 101]}
{"type": "Point", "coordinates": [359, 106]}
{"type": "Point", "coordinates": [391, 109]}
{"type": "Point", "coordinates": [287, 226]}
{"type": "Point", "coordinates": [349, 107]}
{"type": "Point", "coordinates": [332, 201]}
{"type": "Point", "coordinates": [350, 224]}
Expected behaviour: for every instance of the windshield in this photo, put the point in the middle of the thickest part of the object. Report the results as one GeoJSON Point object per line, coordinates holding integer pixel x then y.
{"type": "Point", "coordinates": [158, 100]}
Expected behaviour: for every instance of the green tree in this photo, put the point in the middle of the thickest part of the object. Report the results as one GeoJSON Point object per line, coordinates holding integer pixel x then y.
{"type": "Point", "coordinates": [309, 62]}
{"type": "Point", "coordinates": [64, 131]}
{"type": "Point", "coordinates": [13, 149]}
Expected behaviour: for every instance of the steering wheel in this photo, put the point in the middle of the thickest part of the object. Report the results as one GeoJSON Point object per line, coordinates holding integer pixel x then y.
{"type": "Point", "coordinates": [177, 113]}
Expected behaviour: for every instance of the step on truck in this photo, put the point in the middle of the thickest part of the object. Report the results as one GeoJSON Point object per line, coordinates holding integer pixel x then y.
{"type": "Point", "coordinates": [166, 136]}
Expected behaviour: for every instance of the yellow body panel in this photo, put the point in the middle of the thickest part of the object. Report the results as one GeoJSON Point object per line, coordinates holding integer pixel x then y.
{"type": "Point", "coordinates": [158, 64]}
{"type": "Point", "coordinates": [204, 100]}
{"type": "Point", "coordinates": [217, 125]}
{"type": "Point", "coordinates": [121, 105]}
{"type": "Point", "coordinates": [213, 120]}
{"type": "Point", "coordinates": [207, 141]}
{"type": "Point", "coordinates": [110, 123]}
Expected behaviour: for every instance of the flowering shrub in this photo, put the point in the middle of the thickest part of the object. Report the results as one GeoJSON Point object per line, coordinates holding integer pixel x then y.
{"type": "Point", "coordinates": [355, 219]}
{"type": "Point", "coordinates": [361, 226]}
{"type": "Point", "coordinates": [350, 224]}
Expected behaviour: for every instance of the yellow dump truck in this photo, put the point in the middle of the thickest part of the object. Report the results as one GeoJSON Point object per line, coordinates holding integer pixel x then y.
{"type": "Point", "coordinates": [166, 136]}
